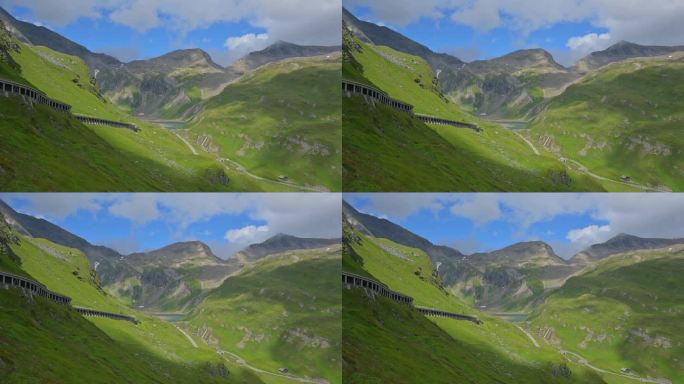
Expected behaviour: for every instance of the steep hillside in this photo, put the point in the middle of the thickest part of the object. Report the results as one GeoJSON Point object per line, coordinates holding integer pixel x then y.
{"type": "Point", "coordinates": [170, 86]}
{"type": "Point", "coordinates": [516, 277]}
{"type": "Point", "coordinates": [624, 312]}
{"type": "Point", "coordinates": [172, 278]}
{"type": "Point", "coordinates": [511, 86]}
{"type": "Point", "coordinates": [47, 150]}
{"type": "Point", "coordinates": [388, 150]}
{"type": "Point", "coordinates": [281, 312]}
{"type": "Point", "coordinates": [622, 122]}
{"type": "Point", "coordinates": [281, 122]}
{"type": "Point", "coordinates": [46, 342]}
{"type": "Point", "coordinates": [387, 342]}
{"type": "Point", "coordinates": [508, 279]}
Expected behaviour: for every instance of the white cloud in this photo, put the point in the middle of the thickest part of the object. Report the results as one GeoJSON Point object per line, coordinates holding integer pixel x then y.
{"type": "Point", "coordinates": [398, 206]}
{"type": "Point", "coordinates": [588, 42]}
{"type": "Point", "coordinates": [248, 40]}
{"type": "Point", "coordinates": [658, 23]}
{"type": "Point", "coordinates": [639, 214]}
{"type": "Point", "coordinates": [247, 235]}
{"type": "Point", "coordinates": [55, 206]}
{"type": "Point", "coordinates": [239, 46]}
{"type": "Point", "coordinates": [140, 208]}
{"type": "Point", "coordinates": [303, 22]}
{"type": "Point", "coordinates": [297, 214]}
{"type": "Point", "coordinates": [591, 234]}
{"type": "Point", "coordinates": [481, 208]}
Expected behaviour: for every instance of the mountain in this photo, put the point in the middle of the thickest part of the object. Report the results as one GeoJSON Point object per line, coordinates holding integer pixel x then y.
{"type": "Point", "coordinates": [191, 252]}
{"type": "Point", "coordinates": [392, 343]}
{"type": "Point", "coordinates": [281, 121]}
{"type": "Point", "coordinates": [35, 35]}
{"type": "Point", "coordinates": [519, 254]}
{"type": "Point", "coordinates": [374, 34]}
{"type": "Point", "coordinates": [370, 225]}
{"type": "Point", "coordinates": [282, 243]}
{"type": "Point", "coordinates": [622, 313]}
{"type": "Point", "coordinates": [280, 50]}
{"type": "Point", "coordinates": [522, 60]}
{"type": "Point", "coordinates": [620, 122]}
{"type": "Point", "coordinates": [620, 51]}
{"type": "Point", "coordinates": [282, 311]}
{"type": "Point", "coordinates": [620, 244]}
{"type": "Point", "coordinates": [109, 264]}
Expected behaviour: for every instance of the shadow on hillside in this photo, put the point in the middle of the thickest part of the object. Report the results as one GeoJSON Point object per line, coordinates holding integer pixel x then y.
{"type": "Point", "coordinates": [46, 342]}
{"type": "Point", "coordinates": [288, 114]}
{"type": "Point", "coordinates": [387, 342]}
{"type": "Point", "coordinates": [388, 150]}
{"type": "Point", "coordinates": [44, 150]}
{"type": "Point", "coordinates": [308, 291]}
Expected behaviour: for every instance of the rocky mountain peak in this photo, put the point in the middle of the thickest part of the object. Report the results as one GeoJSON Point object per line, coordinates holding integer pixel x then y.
{"type": "Point", "coordinates": [280, 50]}
{"type": "Point", "coordinates": [282, 243]}
{"type": "Point", "coordinates": [619, 244]}
{"type": "Point", "coordinates": [195, 252]}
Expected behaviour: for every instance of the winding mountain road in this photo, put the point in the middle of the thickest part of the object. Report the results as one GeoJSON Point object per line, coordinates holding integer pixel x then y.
{"type": "Point", "coordinates": [534, 341]}
{"type": "Point", "coordinates": [581, 360]}
{"type": "Point", "coordinates": [194, 152]}
{"type": "Point", "coordinates": [187, 336]}
{"type": "Point", "coordinates": [534, 149]}
{"type": "Point", "coordinates": [240, 361]}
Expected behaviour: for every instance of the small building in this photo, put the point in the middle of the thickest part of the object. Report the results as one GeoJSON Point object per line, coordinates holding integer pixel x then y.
{"type": "Point", "coordinates": [625, 370]}
{"type": "Point", "coordinates": [283, 370]}
{"type": "Point", "coordinates": [283, 178]}
{"type": "Point", "coordinates": [625, 178]}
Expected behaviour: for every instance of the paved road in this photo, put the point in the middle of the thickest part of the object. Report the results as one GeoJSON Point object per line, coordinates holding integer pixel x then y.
{"type": "Point", "coordinates": [186, 143]}
{"type": "Point", "coordinates": [534, 149]}
{"type": "Point", "coordinates": [581, 360]}
{"type": "Point", "coordinates": [236, 166]}
{"type": "Point", "coordinates": [534, 341]}
{"type": "Point", "coordinates": [240, 361]}
{"type": "Point", "coordinates": [586, 170]}
{"type": "Point", "coordinates": [186, 335]}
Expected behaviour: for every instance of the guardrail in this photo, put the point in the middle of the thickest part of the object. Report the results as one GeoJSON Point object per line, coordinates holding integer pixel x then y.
{"type": "Point", "coordinates": [12, 280]}
{"type": "Point", "coordinates": [376, 286]}
{"type": "Point", "coordinates": [97, 121]}
{"type": "Point", "coordinates": [374, 93]}
{"type": "Point", "coordinates": [36, 96]}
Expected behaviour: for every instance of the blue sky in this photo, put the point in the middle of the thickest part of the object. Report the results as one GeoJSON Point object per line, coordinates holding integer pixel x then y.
{"type": "Point", "coordinates": [569, 29]}
{"type": "Point", "coordinates": [568, 222]}
{"type": "Point", "coordinates": [227, 222]}
{"type": "Point", "coordinates": [229, 29]}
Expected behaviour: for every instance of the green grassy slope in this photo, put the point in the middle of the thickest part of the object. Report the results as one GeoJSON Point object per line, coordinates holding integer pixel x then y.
{"type": "Point", "coordinates": [378, 332]}
{"type": "Point", "coordinates": [282, 312]}
{"type": "Point", "coordinates": [625, 119]}
{"type": "Point", "coordinates": [46, 150]}
{"type": "Point", "coordinates": [151, 351]}
{"type": "Point", "coordinates": [625, 311]}
{"type": "Point", "coordinates": [281, 119]}
{"type": "Point", "coordinates": [387, 150]}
